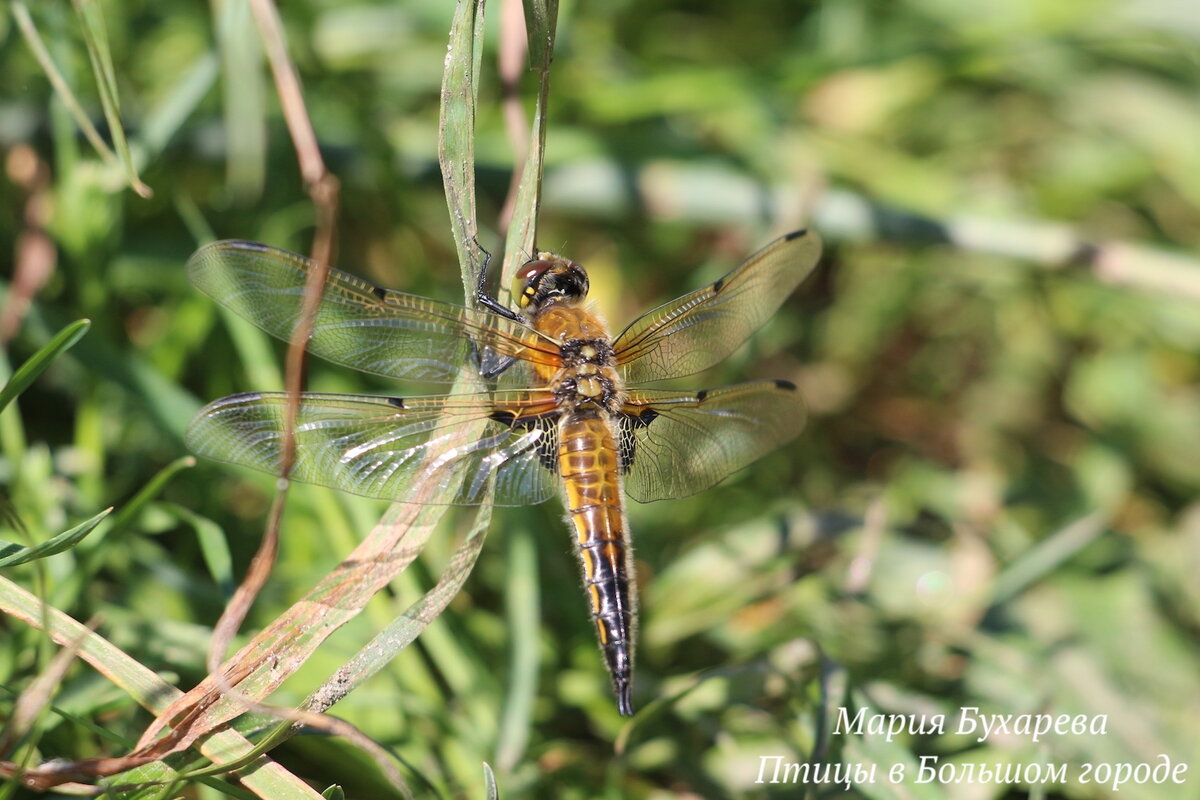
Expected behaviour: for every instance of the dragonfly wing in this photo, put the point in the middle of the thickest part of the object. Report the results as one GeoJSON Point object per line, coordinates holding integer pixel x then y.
{"type": "Point", "coordinates": [693, 332]}
{"type": "Point", "coordinates": [675, 445]}
{"type": "Point", "coordinates": [359, 324]}
{"type": "Point", "coordinates": [397, 449]}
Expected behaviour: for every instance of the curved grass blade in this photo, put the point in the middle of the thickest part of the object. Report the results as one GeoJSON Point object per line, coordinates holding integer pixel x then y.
{"type": "Point", "coordinates": [214, 548]}
{"type": "Point", "coordinates": [150, 491]}
{"type": "Point", "coordinates": [405, 628]}
{"type": "Point", "coordinates": [13, 554]}
{"type": "Point", "coordinates": [95, 37]}
{"type": "Point", "coordinates": [91, 555]}
{"type": "Point", "coordinates": [37, 363]}
{"type": "Point", "coordinates": [388, 642]}
{"type": "Point", "coordinates": [55, 76]}
{"type": "Point", "coordinates": [489, 783]}
{"type": "Point", "coordinates": [284, 645]}
{"type": "Point", "coordinates": [264, 777]}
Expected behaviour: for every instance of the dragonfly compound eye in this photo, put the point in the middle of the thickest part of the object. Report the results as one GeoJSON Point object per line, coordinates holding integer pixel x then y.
{"type": "Point", "coordinates": [525, 282]}
{"type": "Point", "coordinates": [548, 278]}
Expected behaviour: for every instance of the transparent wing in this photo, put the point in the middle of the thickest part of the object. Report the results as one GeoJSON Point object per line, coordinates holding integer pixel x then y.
{"type": "Point", "coordinates": [390, 447]}
{"type": "Point", "coordinates": [359, 324]}
{"type": "Point", "coordinates": [693, 332]}
{"type": "Point", "coordinates": [674, 445]}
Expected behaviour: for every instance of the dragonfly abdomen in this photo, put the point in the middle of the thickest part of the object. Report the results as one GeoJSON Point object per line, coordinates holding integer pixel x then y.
{"type": "Point", "coordinates": [588, 464]}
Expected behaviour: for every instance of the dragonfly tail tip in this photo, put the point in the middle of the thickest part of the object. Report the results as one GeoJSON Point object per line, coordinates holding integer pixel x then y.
{"type": "Point", "coordinates": [624, 700]}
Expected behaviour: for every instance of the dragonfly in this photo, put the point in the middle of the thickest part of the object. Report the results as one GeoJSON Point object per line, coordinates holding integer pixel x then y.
{"type": "Point", "coordinates": [563, 409]}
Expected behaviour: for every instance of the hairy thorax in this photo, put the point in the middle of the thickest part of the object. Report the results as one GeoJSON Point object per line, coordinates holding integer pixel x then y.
{"type": "Point", "coordinates": [588, 377]}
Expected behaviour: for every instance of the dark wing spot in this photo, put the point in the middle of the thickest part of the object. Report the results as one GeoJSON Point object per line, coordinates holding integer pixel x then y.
{"type": "Point", "coordinates": [788, 385]}
{"type": "Point", "coordinates": [246, 244]}
{"type": "Point", "coordinates": [796, 234]}
{"type": "Point", "coordinates": [700, 395]}
{"type": "Point", "coordinates": [547, 444]}
{"type": "Point", "coordinates": [626, 444]}
{"type": "Point", "coordinates": [645, 418]}
{"type": "Point", "coordinates": [626, 441]}
{"type": "Point", "coordinates": [379, 292]}
{"type": "Point", "coordinates": [716, 287]}
{"type": "Point", "coordinates": [547, 450]}
{"type": "Point", "coordinates": [503, 417]}
{"type": "Point", "coordinates": [398, 402]}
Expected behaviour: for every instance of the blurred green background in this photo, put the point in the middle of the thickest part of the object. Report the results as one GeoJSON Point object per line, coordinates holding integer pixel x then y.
{"type": "Point", "coordinates": [994, 504]}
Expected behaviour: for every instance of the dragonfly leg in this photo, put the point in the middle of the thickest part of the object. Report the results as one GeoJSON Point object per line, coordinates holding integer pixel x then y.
{"type": "Point", "coordinates": [491, 365]}
{"type": "Point", "coordinates": [491, 303]}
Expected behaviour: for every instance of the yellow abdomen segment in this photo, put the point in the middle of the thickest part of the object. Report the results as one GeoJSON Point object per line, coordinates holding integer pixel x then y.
{"type": "Point", "coordinates": [588, 464]}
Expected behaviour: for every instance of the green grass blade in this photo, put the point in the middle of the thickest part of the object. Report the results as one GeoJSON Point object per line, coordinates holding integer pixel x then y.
{"type": "Point", "coordinates": [397, 636]}
{"type": "Point", "coordinates": [1047, 555]}
{"type": "Point", "coordinates": [489, 783]}
{"type": "Point", "coordinates": [266, 778]}
{"type": "Point", "coordinates": [541, 20]}
{"type": "Point", "coordinates": [150, 491]}
{"type": "Point", "coordinates": [95, 37]}
{"type": "Point", "coordinates": [168, 117]}
{"type": "Point", "coordinates": [61, 87]}
{"type": "Point", "coordinates": [164, 399]}
{"type": "Point", "coordinates": [456, 137]}
{"type": "Point", "coordinates": [214, 547]}
{"type": "Point", "coordinates": [524, 616]}
{"type": "Point", "coordinates": [245, 99]}
{"type": "Point", "coordinates": [28, 372]}
{"type": "Point", "coordinates": [13, 554]}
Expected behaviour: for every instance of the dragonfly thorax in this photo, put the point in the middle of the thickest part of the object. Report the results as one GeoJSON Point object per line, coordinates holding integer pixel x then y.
{"type": "Point", "coordinates": [588, 376]}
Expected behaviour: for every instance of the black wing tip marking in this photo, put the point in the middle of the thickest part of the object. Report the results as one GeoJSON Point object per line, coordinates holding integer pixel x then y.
{"type": "Point", "coordinates": [244, 246]}
{"type": "Point", "coordinates": [198, 261]}
{"type": "Point", "coordinates": [232, 400]}
{"type": "Point", "coordinates": [700, 395]}
{"type": "Point", "coordinates": [237, 244]}
{"type": "Point", "coordinates": [398, 402]}
{"type": "Point", "coordinates": [379, 292]}
{"type": "Point", "coordinates": [785, 385]}
{"type": "Point", "coordinates": [249, 244]}
{"type": "Point", "coordinates": [718, 285]}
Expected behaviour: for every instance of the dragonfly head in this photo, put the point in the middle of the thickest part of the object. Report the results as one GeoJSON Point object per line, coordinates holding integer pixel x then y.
{"type": "Point", "coordinates": [549, 279]}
